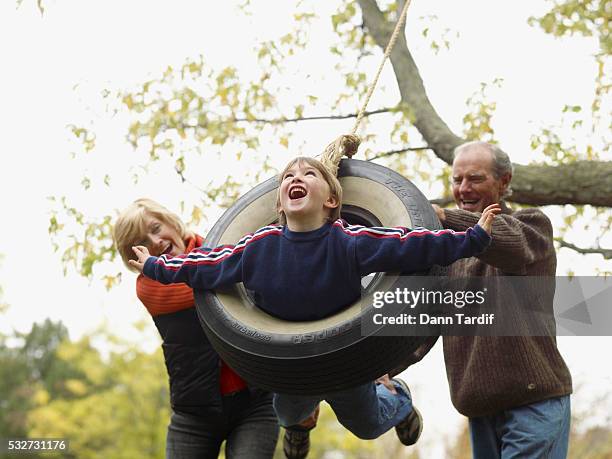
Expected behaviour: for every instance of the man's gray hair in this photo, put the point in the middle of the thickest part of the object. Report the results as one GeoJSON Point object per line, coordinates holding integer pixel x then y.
{"type": "Point", "coordinates": [501, 161]}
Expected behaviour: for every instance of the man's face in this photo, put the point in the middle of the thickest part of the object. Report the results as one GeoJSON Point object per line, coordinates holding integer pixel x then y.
{"type": "Point", "coordinates": [474, 183]}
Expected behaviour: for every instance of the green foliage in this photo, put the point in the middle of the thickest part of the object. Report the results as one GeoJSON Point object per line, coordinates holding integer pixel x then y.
{"type": "Point", "coordinates": [111, 413]}
{"type": "Point", "coordinates": [558, 144]}
{"type": "Point", "coordinates": [29, 364]}
{"type": "Point", "coordinates": [353, 44]}
{"type": "Point", "coordinates": [86, 136]}
{"type": "Point", "coordinates": [199, 105]}
{"type": "Point", "coordinates": [477, 123]}
{"type": "Point", "coordinates": [16, 392]}
{"type": "Point", "coordinates": [439, 37]}
{"type": "Point", "coordinates": [168, 112]}
{"type": "Point", "coordinates": [272, 53]}
{"type": "Point", "coordinates": [549, 143]}
{"type": "Point", "coordinates": [346, 23]}
{"type": "Point", "coordinates": [107, 407]}
{"type": "Point", "coordinates": [89, 243]}
{"type": "Point", "coordinates": [589, 18]}
{"type": "Point", "coordinates": [404, 118]}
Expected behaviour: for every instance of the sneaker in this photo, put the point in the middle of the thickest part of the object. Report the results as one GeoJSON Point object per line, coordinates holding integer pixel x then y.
{"type": "Point", "coordinates": [409, 430]}
{"type": "Point", "coordinates": [296, 442]}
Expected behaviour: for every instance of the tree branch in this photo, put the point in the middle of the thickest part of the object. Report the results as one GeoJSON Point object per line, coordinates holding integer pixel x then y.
{"type": "Point", "coordinates": [412, 91]}
{"type": "Point", "coordinates": [396, 152]}
{"type": "Point", "coordinates": [582, 182]}
{"type": "Point", "coordinates": [186, 180]}
{"type": "Point", "coordinates": [442, 202]}
{"type": "Point", "coordinates": [306, 118]}
{"type": "Point", "coordinates": [606, 253]}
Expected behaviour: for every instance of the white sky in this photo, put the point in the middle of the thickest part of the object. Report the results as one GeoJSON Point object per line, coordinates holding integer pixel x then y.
{"type": "Point", "coordinates": [115, 45]}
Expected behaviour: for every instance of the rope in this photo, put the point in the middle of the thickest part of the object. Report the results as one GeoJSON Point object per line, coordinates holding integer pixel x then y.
{"type": "Point", "coordinates": [349, 143]}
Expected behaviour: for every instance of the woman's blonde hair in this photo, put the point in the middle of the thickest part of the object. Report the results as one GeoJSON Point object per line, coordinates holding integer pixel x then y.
{"type": "Point", "coordinates": [334, 187]}
{"type": "Point", "coordinates": [130, 227]}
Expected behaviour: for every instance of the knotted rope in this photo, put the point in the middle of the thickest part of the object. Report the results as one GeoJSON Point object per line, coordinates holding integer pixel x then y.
{"type": "Point", "coordinates": [348, 144]}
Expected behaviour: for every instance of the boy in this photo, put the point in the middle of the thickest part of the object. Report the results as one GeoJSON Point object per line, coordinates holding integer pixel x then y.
{"type": "Point", "coordinates": [310, 267]}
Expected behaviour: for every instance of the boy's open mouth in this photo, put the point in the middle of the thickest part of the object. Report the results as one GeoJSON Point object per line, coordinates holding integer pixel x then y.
{"type": "Point", "coordinates": [167, 250]}
{"type": "Point", "coordinates": [297, 192]}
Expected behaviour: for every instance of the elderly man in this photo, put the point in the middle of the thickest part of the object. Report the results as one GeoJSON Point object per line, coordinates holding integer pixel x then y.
{"type": "Point", "coordinates": [514, 389]}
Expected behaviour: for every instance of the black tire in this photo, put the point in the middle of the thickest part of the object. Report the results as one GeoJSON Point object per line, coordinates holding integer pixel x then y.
{"type": "Point", "coordinates": [310, 358]}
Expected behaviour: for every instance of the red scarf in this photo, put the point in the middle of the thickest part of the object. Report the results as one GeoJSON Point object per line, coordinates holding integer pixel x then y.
{"type": "Point", "coordinates": [165, 299]}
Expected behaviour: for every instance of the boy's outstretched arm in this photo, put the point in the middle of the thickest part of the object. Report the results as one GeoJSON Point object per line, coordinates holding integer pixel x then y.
{"type": "Point", "coordinates": [401, 249]}
{"type": "Point", "coordinates": [201, 268]}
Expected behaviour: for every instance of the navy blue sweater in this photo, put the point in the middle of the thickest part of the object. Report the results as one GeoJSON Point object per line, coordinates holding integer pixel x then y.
{"type": "Point", "coordinates": [310, 275]}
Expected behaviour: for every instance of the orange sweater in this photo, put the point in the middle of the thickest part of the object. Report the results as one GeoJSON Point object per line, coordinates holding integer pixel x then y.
{"type": "Point", "coordinates": [165, 299]}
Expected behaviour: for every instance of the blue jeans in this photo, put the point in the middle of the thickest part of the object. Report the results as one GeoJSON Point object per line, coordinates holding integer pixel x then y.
{"type": "Point", "coordinates": [539, 430]}
{"type": "Point", "coordinates": [247, 423]}
{"type": "Point", "coordinates": [367, 411]}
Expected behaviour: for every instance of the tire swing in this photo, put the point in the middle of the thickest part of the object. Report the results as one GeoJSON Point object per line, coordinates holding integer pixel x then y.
{"type": "Point", "coordinates": [331, 354]}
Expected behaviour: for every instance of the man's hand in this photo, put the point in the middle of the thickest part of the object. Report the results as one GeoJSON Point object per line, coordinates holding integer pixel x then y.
{"type": "Point", "coordinates": [142, 253]}
{"type": "Point", "coordinates": [439, 212]}
{"type": "Point", "coordinates": [487, 217]}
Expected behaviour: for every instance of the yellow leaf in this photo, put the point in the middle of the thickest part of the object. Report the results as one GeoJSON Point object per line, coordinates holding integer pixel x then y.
{"type": "Point", "coordinates": [41, 397]}
{"type": "Point", "coordinates": [76, 387]}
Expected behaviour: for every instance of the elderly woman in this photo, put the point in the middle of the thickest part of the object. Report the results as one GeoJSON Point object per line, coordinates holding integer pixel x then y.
{"type": "Point", "coordinates": [210, 403]}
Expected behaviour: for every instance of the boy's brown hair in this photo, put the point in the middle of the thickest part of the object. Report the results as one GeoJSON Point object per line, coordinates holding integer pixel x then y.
{"type": "Point", "coordinates": [335, 188]}
{"type": "Point", "coordinates": [130, 227]}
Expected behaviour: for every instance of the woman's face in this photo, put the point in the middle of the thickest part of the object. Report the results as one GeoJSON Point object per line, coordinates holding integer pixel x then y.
{"type": "Point", "coordinates": [162, 238]}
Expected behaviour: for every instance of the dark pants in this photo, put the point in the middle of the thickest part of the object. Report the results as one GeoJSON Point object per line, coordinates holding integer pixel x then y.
{"type": "Point", "coordinates": [247, 423]}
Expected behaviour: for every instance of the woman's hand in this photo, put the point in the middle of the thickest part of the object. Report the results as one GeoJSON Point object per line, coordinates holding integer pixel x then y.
{"type": "Point", "coordinates": [142, 253]}
{"type": "Point", "coordinates": [487, 217]}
